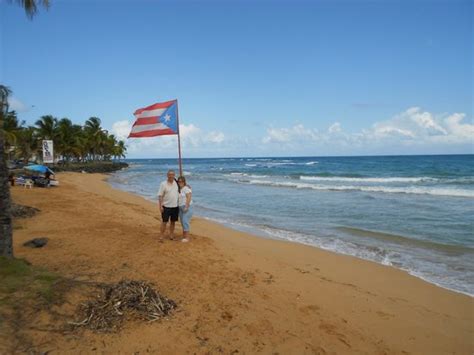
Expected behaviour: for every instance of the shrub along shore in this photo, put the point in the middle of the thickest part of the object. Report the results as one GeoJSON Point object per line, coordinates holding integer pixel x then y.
{"type": "Point", "coordinates": [102, 167]}
{"type": "Point", "coordinates": [91, 167]}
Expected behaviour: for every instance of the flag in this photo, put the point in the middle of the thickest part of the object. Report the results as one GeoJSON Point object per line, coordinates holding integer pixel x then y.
{"type": "Point", "coordinates": [156, 120]}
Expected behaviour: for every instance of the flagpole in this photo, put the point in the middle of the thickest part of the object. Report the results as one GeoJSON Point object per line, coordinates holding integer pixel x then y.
{"type": "Point", "coordinates": [179, 141]}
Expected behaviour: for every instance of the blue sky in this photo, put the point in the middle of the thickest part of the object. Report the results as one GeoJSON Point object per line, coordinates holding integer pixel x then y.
{"type": "Point", "coordinates": [253, 78]}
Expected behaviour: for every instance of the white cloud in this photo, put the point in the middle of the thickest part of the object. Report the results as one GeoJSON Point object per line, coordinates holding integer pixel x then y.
{"type": "Point", "coordinates": [425, 120]}
{"type": "Point", "coordinates": [17, 105]}
{"type": "Point", "coordinates": [415, 126]}
{"type": "Point", "coordinates": [288, 135]}
{"type": "Point", "coordinates": [413, 131]}
{"type": "Point", "coordinates": [215, 137]}
{"type": "Point", "coordinates": [382, 130]}
{"type": "Point", "coordinates": [335, 128]}
{"type": "Point", "coordinates": [121, 129]}
{"type": "Point", "coordinates": [193, 140]}
{"type": "Point", "coordinates": [412, 123]}
{"type": "Point", "coordinates": [412, 128]}
{"type": "Point", "coordinates": [456, 128]}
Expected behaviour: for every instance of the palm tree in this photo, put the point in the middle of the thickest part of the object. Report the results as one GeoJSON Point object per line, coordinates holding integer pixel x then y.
{"type": "Point", "coordinates": [11, 127]}
{"type": "Point", "coordinates": [27, 144]}
{"type": "Point", "coordinates": [121, 149]}
{"type": "Point", "coordinates": [94, 134]}
{"type": "Point", "coordinates": [31, 6]}
{"type": "Point", "coordinates": [6, 241]}
{"type": "Point", "coordinates": [65, 138]}
{"type": "Point", "coordinates": [81, 145]}
{"type": "Point", "coordinates": [47, 129]}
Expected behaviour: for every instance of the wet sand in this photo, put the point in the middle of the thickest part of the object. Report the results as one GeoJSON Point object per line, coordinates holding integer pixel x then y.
{"type": "Point", "coordinates": [236, 292]}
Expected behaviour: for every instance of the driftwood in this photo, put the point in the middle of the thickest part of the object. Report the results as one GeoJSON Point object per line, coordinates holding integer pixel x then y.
{"type": "Point", "coordinates": [125, 299]}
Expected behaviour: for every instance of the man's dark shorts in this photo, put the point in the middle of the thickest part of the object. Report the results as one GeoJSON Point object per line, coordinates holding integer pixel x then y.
{"type": "Point", "coordinates": [170, 212]}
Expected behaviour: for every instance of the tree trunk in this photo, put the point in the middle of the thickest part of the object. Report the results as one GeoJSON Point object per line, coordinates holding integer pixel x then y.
{"type": "Point", "coordinates": [6, 241]}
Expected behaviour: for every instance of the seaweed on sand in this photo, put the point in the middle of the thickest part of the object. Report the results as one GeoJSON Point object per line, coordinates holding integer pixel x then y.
{"type": "Point", "coordinates": [128, 298]}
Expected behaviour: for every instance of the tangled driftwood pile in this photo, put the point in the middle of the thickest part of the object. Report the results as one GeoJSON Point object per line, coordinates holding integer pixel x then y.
{"type": "Point", "coordinates": [125, 299]}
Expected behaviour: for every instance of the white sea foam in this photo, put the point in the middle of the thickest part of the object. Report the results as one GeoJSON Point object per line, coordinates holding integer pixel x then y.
{"type": "Point", "coordinates": [367, 179]}
{"type": "Point", "coordinates": [269, 164]}
{"type": "Point", "coordinates": [254, 176]}
{"type": "Point", "coordinates": [382, 189]}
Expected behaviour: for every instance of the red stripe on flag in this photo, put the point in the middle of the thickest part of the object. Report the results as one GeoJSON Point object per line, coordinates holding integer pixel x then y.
{"type": "Point", "coordinates": [155, 106]}
{"type": "Point", "coordinates": [152, 133]}
{"type": "Point", "coordinates": [146, 120]}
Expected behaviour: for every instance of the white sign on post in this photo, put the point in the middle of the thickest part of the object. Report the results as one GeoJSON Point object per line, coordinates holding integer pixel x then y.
{"type": "Point", "coordinates": [48, 156]}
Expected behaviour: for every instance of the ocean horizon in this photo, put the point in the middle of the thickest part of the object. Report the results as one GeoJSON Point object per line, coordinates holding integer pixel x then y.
{"type": "Point", "coordinates": [412, 212]}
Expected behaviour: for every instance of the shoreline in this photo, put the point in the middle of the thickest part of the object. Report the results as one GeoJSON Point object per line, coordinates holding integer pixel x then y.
{"type": "Point", "coordinates": [246, 229]}
{"type": "Point", "coordinates": [249, 229]}
{"type": "Point", "coordinates": [235, 291]}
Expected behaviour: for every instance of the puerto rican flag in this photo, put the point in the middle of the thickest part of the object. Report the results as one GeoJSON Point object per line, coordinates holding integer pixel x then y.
{"type": "Point", "coordinates": [156, 120]}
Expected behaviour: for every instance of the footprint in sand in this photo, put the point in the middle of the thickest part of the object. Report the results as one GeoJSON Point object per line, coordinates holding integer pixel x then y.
{"type": "Point", "coordinates": [269, 279]}
{"type": "Point", "coordinates": [384, 315]}
{"type": "Point", "coordinates": [302, 271]}
{"type": "Point", "coordinates": [248, 278]}
{"type": "Point", "coordinates": [331, 329]}
{"type": "Point", "coordinates": [312, 308]}
{"type": "Point", "coordinates": [226, 316]}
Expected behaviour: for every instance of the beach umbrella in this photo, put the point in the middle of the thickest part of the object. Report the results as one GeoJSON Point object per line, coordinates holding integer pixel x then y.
{"type": "Point", "coordinates": [39, 168]}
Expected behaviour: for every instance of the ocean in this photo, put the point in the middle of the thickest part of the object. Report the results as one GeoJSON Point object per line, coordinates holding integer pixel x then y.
{"type": "Point", "coordinates": [415, 213]}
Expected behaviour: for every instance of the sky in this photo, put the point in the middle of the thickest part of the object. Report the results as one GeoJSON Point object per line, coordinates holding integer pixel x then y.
{"type": "Point", "coordinates": [252, 78]}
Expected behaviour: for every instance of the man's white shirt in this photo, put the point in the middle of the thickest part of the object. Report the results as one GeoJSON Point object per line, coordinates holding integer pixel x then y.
{"type": "Point", "coordinates": [169, 194]}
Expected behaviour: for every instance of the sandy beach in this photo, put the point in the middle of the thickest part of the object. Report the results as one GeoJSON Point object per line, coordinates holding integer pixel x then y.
{"type": "Point", "coordinates": [236, 293]}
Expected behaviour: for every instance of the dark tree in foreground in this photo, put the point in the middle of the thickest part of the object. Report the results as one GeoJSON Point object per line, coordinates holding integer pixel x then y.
{"type": "Point", "coordinates": [31, 6]}
{"type": "Point", "coordinates": [6, 242]}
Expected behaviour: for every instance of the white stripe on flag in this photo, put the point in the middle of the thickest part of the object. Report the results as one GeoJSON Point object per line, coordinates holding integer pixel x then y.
{"type": "Point", "coordinates": [151, 113]}
{"type": "Point", "coordinates": [148, 127]}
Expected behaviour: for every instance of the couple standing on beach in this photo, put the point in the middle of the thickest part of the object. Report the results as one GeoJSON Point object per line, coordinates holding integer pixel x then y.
{"type": "Point", "coordinates": [175, 199]}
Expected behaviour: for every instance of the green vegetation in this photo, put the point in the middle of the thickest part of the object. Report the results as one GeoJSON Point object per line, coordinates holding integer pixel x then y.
{"type": "Point", "coordinates": [21, 282]}
{"type": "Point", "coordinates": [92, 167]}
{"type": "Point", "coordinates": [72, 142]}
{"type": "Point", "coordinates": [31, 6]}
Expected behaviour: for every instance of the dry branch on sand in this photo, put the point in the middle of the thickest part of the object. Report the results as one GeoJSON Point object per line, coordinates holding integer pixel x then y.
{"type": "Point", "coordinates": [127, 298]}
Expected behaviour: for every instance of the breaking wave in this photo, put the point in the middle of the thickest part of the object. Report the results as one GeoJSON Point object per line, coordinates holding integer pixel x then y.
{"type": "Point", "coordinates": [421, 190]}
{"type": "Point", "coordinates": [368, 179]}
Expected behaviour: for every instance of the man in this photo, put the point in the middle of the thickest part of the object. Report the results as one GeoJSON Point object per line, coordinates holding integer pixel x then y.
{"type": "Point", "coordinates": [168, 203]}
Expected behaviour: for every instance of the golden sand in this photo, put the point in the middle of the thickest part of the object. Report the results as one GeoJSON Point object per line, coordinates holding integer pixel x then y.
{"type": "Point", "coordinates": [236, 292]}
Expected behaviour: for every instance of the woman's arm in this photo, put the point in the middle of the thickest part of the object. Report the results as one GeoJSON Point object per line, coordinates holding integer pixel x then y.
{"type": "Point", "coordinates": [188, 200]}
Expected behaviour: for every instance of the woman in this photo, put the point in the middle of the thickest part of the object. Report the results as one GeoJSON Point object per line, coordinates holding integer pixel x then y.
{"type": "Point", "coordinates": [185, 204]}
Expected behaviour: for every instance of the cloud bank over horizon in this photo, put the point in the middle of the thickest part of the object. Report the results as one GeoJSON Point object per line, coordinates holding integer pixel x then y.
{"type": "Point", "coordinates": [413, 131]}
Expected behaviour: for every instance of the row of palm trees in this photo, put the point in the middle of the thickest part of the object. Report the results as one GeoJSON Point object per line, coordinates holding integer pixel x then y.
{"type": "Point", "coordinates": [72, 142]}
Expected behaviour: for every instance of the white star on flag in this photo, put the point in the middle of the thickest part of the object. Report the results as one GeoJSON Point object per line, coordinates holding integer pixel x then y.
{"type": "Point", "coordinates": [167, 117]}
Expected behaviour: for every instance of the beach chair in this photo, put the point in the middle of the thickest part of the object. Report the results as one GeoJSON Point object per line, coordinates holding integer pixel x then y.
{"type": "Point", "coordinates": [20, 181]}
{"type": "Point", "coordinates": [53, 183]}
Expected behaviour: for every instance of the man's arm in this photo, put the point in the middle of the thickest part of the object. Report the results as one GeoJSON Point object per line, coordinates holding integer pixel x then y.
{"type": "Point", "coordinates": [161, 192]}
